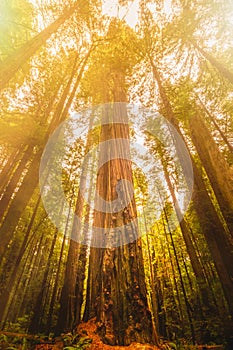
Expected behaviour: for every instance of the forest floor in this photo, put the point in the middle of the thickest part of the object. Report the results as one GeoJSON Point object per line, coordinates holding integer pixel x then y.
{"type": "Point", "coordinates": [85, 338]}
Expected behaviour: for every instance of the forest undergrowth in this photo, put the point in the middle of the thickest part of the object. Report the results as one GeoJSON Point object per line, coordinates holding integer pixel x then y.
{"type": "Point", "coordinates": [86, 337]}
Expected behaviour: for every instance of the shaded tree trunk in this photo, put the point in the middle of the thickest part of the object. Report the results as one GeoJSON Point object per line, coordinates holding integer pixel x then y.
{"type": "Point", "coordinates": [187, 303]}
{"type": "Point", "coordinates": [55, 287]}
{"type": "Point", "coordinates": [31, 179]}
{"type": "Point", "coordinates": [211, 225]}
{"type": "Point", "coordinates": [196, 265]}
{"type": "Point", "coordinates": [67, 319]}
{"type": "Point", "coordinates": [9, 166]}
{"type": "Point", "coordinates": [217, 169]}
{"type": "Point", "coordinates": [19, 203]}
{"type": "Point", "coordinates": [173, 293]}
{"type": "Point", "coordinates": [11, 187]}
{"type": "Point", "coordinates": [13, 63]}
{"type": "Point", "coordinates": [212, 118]}
{"type": "Point", "coordinates": [38, 310]}
{"type": "Point", "coordinates": [9, 285]}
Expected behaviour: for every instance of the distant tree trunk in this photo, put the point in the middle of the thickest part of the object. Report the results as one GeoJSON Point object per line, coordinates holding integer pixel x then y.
{"type": "Point", "coordinates": [117, 290]}
{"type": "Point", "coordinates": [9, 166]}
{"type": "Point", "coordinates": [12, 185]}
{"type": "Point", "coordinates": [31, 179]}
{"type": "Point", "coordinates": [153, 281]}
{"type": "Point", "coordinates": [66, 318]}
{"type": "Point", "coordinates": [224, 71]}
{"type": "Point", "coordinates": [62, 102]}
{"type": "Point", "coordinates": [161, 310]}
{"type": "Point", "coordinates": [212, 228]}
{"type": "Point", "coordinates": [35, 264]}
{"type": "Point", "coordinates": [68, 314]}
{"type": "Point", "coordinates": [13, 63]}
{"type": "Point", "coordinates": [9, 285]}
{"type": "Point", "coordinates": [83, 255]}
{"type": "Point", "coordinates": [65, 110]}
{"type": "Point", "coordinates": [212, 118]}
{"type": "Point", "coordinates": [197, 268]}
{"type": "Point", "coordinates": [55, 287]}
{"type": "Point", "coordinates": [19, 203]}
{"type": "Point", "coordinates": [216, 239]}
{"type": "Point", "coordinates": [83, 259]}
{"type": "Point", "coordinates": [21, 280]}
{"type": "Point", "coordinates": [173, 292]}
{"type": "Point", "coordinates": [187, 303]}
{"type": "Point", "coordinates": [207, 307]}
{"type": "Point", "coordinates": [217, 169]}
{"type": "Point", "coordinates": [196, 265]}
{"type": "Point", "coordinates": [38, 310]}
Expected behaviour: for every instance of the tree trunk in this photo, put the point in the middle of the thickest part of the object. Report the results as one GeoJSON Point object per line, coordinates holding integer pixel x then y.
{"type": "Point", "coordinates": [211, 226]}
{"type": "Point", "coordinates": [173, 292]}
{"type": "Point", "coordinates": [9, 167]}
{"type": "Point", "coordinates": [196, 265]}
{"type": "Point", "coordinates": [212, 118]}
{"type": "Point", "coordinates": [55, 287]}
{"type": "Point", "coordinates": [83, 259]}
{"type": "Point", "coordinates": [13, 63]}
{"type": "Point", "coordinates": [12, 185]}
{"type": "Point", "coordinates": [31, 179]}
{"type": "Point", "coordinates": [68, 303]}
{"type": "Point", "coordinates": [224, 71]}
{"type": "Point", "coordinates": [117, 290]}
{"type": "Point", "coordinates": [19, 203]}
{"type": "Point", "coordinates": [213, 231]}
{"type": "Point", "coordinates": [217, 169]}
{"type": "Point", "coordinates": [187, 304]}
{"type": "Point", "coordinates": [38, 310]}
{"type": "Point", "coordinates": [9, 285]}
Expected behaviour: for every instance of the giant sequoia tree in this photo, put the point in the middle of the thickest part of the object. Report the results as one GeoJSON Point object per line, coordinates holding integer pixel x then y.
{"type": "Point", "coordinates": [126, 253]}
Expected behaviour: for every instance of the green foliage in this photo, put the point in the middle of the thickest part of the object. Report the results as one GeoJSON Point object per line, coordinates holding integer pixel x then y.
{"type": "Point", "coordinates": [117, 54]}
{"type": "Point", "coordinates": [3, 338]}
{"type": "Point", "coordinates": [20, 326]}
{"type": "Point", "coordinates": [15, 24]}
{"type": "Point", "coordinates": [74, 342]}
{"type": "Point", "coordinates": [69, 338]}
{"type": "Point", "coordinates": [13, 343]}
{"type": "Point", "coordinates": [19, 129]}
{"type": "Point", "coordinates": [120, 52]}
{"type": "Point", "coordinates": [27, 113]}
